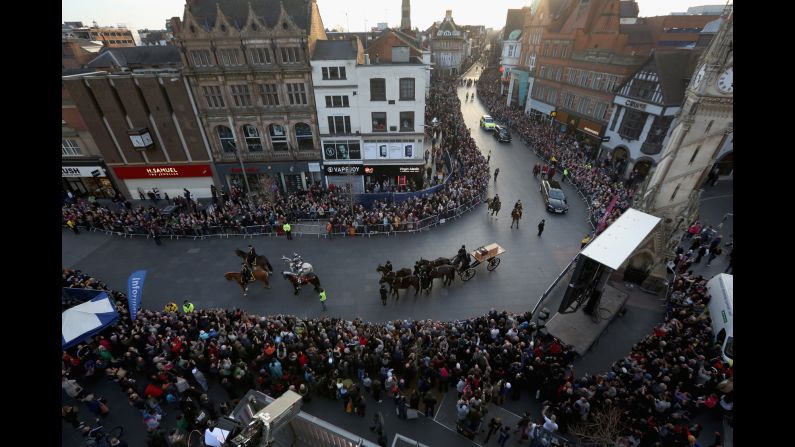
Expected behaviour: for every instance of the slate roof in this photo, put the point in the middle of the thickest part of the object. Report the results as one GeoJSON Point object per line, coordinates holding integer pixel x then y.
{"type": "Point", "coordinates": [675, 68]}
{"type": "Point", "coordinates": [236, 11]}
{"type": "Point", "coordinates": [334, 50]}
{"type": "Point", "coordinates": [628, 9]}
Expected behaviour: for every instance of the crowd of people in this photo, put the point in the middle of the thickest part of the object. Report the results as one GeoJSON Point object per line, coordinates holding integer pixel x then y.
{"type": "Point", "coordinates": [599, 181]}
{"type": "Point", "coordinates": [169, 358]}
{"type": "Point", "coordinates": [232, 212]}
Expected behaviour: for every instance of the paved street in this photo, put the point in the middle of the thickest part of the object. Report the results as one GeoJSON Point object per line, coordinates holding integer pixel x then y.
{"type": "Point", "coordinates": [194, 270]}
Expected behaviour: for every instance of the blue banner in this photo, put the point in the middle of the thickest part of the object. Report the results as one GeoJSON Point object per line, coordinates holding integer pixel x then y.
{"type": "Point", "coordinates": [135, 285]}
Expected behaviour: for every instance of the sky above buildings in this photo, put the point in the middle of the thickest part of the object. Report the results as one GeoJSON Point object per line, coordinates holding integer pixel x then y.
{"type": "Point", "coordinates": [352, 14]}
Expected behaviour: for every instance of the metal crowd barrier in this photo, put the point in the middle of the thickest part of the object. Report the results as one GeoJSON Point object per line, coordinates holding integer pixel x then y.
{"type": "Point", "coordinates": [314, 227]}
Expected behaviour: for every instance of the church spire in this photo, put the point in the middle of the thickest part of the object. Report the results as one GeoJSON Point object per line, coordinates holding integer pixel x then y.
{"type": "Point", "coordinates": [405, 21]}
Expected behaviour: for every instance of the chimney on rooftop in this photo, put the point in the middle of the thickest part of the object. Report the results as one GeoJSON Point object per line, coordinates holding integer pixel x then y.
{"type": "Point", "coordinates": [448, 14]}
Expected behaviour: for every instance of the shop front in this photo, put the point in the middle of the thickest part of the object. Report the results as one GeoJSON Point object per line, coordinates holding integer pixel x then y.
{"type": "Point", "coordinates": [347, 177]}
{"type": "Point", "coordinates": [87, 180]}
{"type": "Point", "coordinates": [167, 179]}
{"type": "Point", "coordinates": [393, 178]}
{"type": "Point", "coordinates": [262, 177]}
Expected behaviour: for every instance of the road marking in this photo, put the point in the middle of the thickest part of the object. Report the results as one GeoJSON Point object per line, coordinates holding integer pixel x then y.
{"type": "Point", "coordinates": [193, 251]}
{"type": "Point", "coordinates": [440, 405]}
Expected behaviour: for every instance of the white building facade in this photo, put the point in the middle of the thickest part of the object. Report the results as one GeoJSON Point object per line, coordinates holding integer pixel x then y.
{"type": "Point", "coordinates": [371, 118]}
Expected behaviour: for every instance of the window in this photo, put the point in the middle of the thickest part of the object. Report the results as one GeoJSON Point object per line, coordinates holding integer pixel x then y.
{"type": "Point", "coordinates": [303, 135]}
{"type": "Point", "coordinates": [406, 121]}
{"type": "Point", "coordinates": [572, 77]}
{"type": "Point", "coordinates": [642, 89]}
{"type": "Point", "coordinates": [584, 78]}
{"type": "Point", "coordinates": [201, 58]}
{"type": "Point", "coordinates": [597, 81]}
{"type": "Point", "coordinates": [709, 126]}
{"type": "Point", "coordinates": [278, 137]}
{"type": "Point", "coordinates": [559, 74]}
{"type": "Point", "coordinates": [226, 138]}
{"type": "Point", "coordinates": [611, 83]}
{"type": "Point", "coordinates": [379, 121]}
{"type": "Point", "coordinates": [555, 51]}
{"type": "Point", "coordinates": [568, 101]}
{"type": "Point", "coordinates": [337, 101]}
{"type": "Point", "coordinates": [212, 94]}
{"type": "Point", "coordinates": [260, 56]}
{"type": "Point", "coordinates": [582, 107]}
{"type": "Point", "coordinates": [552, 96]}
{"type": "Point", "coordinates": [268, 94]}
{"type": "Point", "coordinates": [230, 57]}
{"type": "Point", "coordinates": [291, 55]}
{"type": "Point", "coordinates": [70, 147]}
{"type": "Point", "coordinates": [632, 124]}
{"type": "Point", "coordinates": [658, 129]}
{"type": "Point", "coordinates": [616, 112]}
{"type": "Point", "coordinates": [296, 93]}
{"type": "Point", "coordinates": [253, 140]}
{"type": "Point", "coordinates": [406, 89]}
{"type": "Point", "coordinates": [599, 110]}
{"type": "Point", "coordinates": [378, 89]}
{"type": "Point", "coordinates": [339, 124]}
{"type": "Point", "coordinates": [240, 95]}
{"type": "Point", "coordinates": [333, 73]}
{"type": "Point", "coordinates": [695, 154]}
{"type": "Point", "coordinates": [675, 191]}
{"type": "Point", "coordinates": [542, 72]}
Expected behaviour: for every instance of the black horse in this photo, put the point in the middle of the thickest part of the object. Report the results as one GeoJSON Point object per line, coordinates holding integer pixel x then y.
{"type": "Point", "coordinates": [260, 261]}
{"type": "Point", "coordinates": [401, 282]}
{"type": "Point", "coordinates": [446, 272]}
{"type": "Point", "coordinates": [435, 263]}
{"type": "Point", "coordinates": [297, 281]}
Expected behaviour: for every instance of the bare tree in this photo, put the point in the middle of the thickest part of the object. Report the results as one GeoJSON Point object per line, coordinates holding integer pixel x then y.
{"type": "Point", "coordinates": [603, 427]}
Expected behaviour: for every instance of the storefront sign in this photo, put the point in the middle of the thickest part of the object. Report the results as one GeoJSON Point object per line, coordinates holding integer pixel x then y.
{"type": "Point", "coordinates": [391, 150]}
{"type": "Point", "coordinates": [342, 169]}
{"type": "Point", "coordinates": [82, 171]}
{"type": "Point", "coordinates": [393, 170]}
{"type": "Point", "coordinates": [590, 127]}
{"type": "Point", "coordinates": [314, 167]}
{"type": "Point", "coordinates": [132, 172]}
{"type": "Point", "coordinates": [635, 105]}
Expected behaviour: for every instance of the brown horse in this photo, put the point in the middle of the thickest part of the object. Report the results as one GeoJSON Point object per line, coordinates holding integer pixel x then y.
{"type": "Point", "coordinates": [297, 281]}
{"type": "Point", "coordinates": [402, 272]}
{"type": "Point", "coordinates": [260, 261]}
{"type": "Point", "coordinates": [259, 275]}
{"type": "Point", "coordinates": [401, 282]}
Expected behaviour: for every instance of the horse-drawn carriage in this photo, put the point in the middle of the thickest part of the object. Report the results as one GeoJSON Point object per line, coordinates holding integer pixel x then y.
{"type": "Point", "coordinates": [488, 254]}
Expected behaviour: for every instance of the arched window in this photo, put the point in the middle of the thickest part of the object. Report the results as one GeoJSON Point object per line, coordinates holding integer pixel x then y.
{"type": "Point", "coordinates": [253, 140]}
{"type": "Point", "coordinates": [278, 137]}
{"type": "Point", "coordinates": [303, 135]}
{"type": "Point", "coordinates": [226, 138]}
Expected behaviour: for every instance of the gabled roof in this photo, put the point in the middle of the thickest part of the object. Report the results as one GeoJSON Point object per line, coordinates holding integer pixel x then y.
{"type": "Point", "coordinates": [448, 25]}
{"type": "Point", "coordinates": [136, 56]}
{"type": "Point", "coordinates": [326, 50]}
{"type": "Point", "coordinates": [236, 11]}
{"type": "Point", "coordinates": [674, 69]}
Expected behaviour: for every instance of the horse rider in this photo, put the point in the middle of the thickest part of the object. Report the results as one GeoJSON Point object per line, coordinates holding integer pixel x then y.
{"type": "Point", "coordinates": [171, 308]}
{"type": "Point", "coordinates": [417, 269]}
{"type": "Point", "coordinates": [246, 275]}
{"type": "Point", "coordinates": [495, 204]}
{"type": "Point", "coordinates": [251, 256]}
{"type": "Point", "coordinates": [518, 205]}
{"type": "Point", "coordinates": [388, 267]}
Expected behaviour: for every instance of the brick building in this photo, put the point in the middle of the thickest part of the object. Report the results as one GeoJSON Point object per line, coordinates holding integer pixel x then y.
{"type": "Point", "coordinates": [144, 126]}
{"type": "Point", "coordinates": [582, 50]}
{"type": "Point", "coordinates": [247, 65]}
{"type": "Point", "coordinates": [110, 36]}
{"type": "Point", "coordinates": [448, 42]}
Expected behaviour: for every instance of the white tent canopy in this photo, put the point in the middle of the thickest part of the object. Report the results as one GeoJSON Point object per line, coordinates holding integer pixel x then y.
{"type": "Point", "coordinates": [617, 243]}
{"type": "Point", "coordinates": [85, 320]}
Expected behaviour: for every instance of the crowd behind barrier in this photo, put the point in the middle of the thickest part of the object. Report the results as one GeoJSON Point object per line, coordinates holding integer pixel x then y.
{"type": "Point", "coordinates": [597, 181]}
{"type": "Point", "coordinates": [233, 215]}
{"type": "Point", "coordinates": [171, 359]}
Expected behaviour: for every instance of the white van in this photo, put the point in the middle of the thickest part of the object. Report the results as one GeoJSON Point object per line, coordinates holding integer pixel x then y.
{"type": "Point", "coordinates": [721, 312]}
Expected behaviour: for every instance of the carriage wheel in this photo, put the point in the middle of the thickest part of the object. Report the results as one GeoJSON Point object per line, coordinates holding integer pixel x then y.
{"type": "Point", "coordinates": [468, 274]}
{"type": "Point", "coordinates": [493, 263]}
